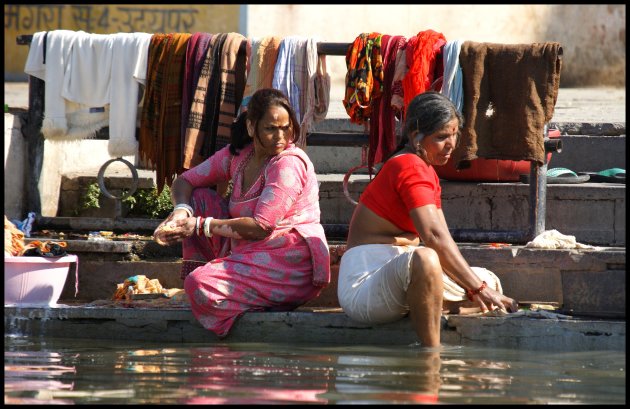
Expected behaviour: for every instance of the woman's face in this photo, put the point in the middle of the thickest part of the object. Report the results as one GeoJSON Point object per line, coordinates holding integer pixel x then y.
{"type": "Point", "coordinates": [274, 131]}
{"type": "Point", "coordinates": [440, 145]}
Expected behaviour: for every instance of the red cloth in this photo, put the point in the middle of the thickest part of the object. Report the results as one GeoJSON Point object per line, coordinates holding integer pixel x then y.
{"type": "Point", "coordinates": [403, 183]}
{"type": "Point", "coordinates": [422, 50]}
{"type": "Point", "coordinates": [382, 125]}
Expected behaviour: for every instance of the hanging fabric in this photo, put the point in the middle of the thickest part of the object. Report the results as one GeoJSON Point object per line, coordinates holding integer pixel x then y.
{"type": "Point", "coordinates": [63, 120]}
{"type": "Point", "coordinates": [160, 136]}
{"type": "Point", "coordinates": [422, 50]}
{"type": "Point", "coordinates": [452, 84]}
{"type": "Point", "coordinates": [510, 91]}
{"type": "Point", "coordinates": [197, 123]}
{"type": "Point", "coordinates": [289, 72]}
{"type": "Point", "coordinates": [382, 140]}
{"type": "Point", "coordinates": [364, 78]}
{"type": "Point", "coordinates": [196, 52]}
{"type": "Point", "coordinates": [227, 93]}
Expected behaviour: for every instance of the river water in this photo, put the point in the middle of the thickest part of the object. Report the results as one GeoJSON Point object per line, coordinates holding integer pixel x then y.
{"type": "Point", "coordinates": [80, 371]}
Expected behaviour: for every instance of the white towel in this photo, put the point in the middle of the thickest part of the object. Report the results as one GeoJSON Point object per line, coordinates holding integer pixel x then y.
{"type": "Point", "coordinates": [130, 54]}
{"type": "Point", "coordinates": [58, 47]}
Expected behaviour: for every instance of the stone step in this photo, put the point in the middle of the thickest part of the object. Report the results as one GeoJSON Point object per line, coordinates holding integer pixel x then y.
{"type": "Point", "coordinates": [315, 326]}
{"type": "Point", "coordinates": [592, 212]}
{"type": "Point", "coordinates": [580, 153]}
{"type": "Point", "coordinates": [583, 282]}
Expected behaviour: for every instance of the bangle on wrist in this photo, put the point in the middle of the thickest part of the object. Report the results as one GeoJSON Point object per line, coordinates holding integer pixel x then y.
{"type": "Point", "coordinates": [470, 293]}
{"type": "Point", "coordinates": [186, 207]}
{"type": "Point", "coordinates": [200, 228]}
{"type": "Point", "coordinates": [197, 222]}
{"type": "Point", "coordinates": [206, 227]}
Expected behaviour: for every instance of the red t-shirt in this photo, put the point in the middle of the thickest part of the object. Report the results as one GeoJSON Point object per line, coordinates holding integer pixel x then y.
{"type": "Point", "coordinates": [403, 183]}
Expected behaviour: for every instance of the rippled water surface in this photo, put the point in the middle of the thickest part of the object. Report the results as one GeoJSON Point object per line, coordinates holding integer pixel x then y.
{"type": "Point", "coordinates": [73, 371]}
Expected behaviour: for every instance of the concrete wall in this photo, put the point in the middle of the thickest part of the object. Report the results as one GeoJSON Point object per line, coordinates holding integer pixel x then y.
{"type": "Point", "coordinates": [593, 36]}
{"type": "Point", "coordinates": [105, 19]}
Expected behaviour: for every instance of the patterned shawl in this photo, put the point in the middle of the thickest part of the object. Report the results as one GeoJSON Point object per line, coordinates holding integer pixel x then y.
{"type": "Point", "coordinates": [364, 79]}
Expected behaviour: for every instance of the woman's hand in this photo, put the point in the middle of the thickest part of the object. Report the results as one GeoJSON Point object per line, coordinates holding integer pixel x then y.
{"type": "Point", "coordinates": [176, 227]}
{"type": "Point", "coordinates": [489, 300]}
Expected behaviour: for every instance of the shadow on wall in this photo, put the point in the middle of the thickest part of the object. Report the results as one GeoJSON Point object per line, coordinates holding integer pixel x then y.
{"type": "Point", "coordinates": [14, 169]}
{"type": "Point", "coordinates": [593, 39]}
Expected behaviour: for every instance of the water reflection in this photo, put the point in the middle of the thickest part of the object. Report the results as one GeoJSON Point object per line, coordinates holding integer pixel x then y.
{"type": "Point", "coordinates": [88, 371]}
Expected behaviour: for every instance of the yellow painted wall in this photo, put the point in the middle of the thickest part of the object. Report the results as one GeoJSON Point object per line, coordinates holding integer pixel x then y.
{"type": "Point", "coordinates": [105, 19]}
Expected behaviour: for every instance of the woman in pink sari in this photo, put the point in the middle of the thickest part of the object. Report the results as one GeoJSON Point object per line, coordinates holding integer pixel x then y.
{"type": "Point", "coordinates": [263, 247]}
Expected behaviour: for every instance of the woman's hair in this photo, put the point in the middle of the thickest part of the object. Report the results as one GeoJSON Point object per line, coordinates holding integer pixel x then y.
{"type": "Point", "coordinates": [427, 113]}
{"type": "Point", "coordinates": [260, 102]}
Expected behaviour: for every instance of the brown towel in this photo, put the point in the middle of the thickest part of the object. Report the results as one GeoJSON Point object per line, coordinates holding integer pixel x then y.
{"type": "Point", "coordinates": [510, 91]}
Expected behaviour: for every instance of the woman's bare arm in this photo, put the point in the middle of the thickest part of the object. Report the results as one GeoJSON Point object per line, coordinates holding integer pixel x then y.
{"type": "Point", "coordinates": [433, 230]}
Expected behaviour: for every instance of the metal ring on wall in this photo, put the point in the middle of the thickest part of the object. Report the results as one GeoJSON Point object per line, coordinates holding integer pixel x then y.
{"type": "Point", "coordinates": [347, 177]}
{"type": "Point", "coordinates": [134, 182]}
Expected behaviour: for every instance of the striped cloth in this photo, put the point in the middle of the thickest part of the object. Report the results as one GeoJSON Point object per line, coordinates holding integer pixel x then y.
{"type": "Point", "coordinates": [231, 85]}
{"type": "Point", "coordinates": [195, 58]}
{"type": "Point", "coordinates": [160, 130]}
{"type": "Point", "coordinates": [197, 121]}
{"type": "Point", "coordinates": [290, 70]}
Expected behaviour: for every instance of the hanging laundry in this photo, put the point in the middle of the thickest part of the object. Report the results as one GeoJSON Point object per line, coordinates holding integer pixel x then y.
{"type": "Point", "coordinates": [422, 51]}
{"type": "Point", "coordinates": [160, 130]}
{"type": "Point", "coordinates": [400, 70]}
{"type": "Point", "coordinates": [315, 89]}
{"type": "Point", "coordinates": [510, 91]}
{"type": "Point", "coordinates": [452, 83]}
{"type": "Point", "coordinates": [63, 120]}
{"type": "Point", "coordinates": [290, 69]}
{"type": "Point", "coordinates": [196, 52]}
{"type": "Point", "coordinates": [382, 141]}
{"type": "Point", "coordinates": [197, 123]}
{"type": "Point", "coordinates": [267, 55]}
{"type": "Point", "coordinates": [224, 96]}
{"type": "Point", "coordinates": [364, 78]}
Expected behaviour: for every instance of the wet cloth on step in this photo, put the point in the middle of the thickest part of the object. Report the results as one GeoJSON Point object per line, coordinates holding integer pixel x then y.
{"type": "Point", "coordinates": [553, 239]}
{"type": "Point", "coordinates": [510, 91]}
{"type": "Point", "coordinates": [373, 281]}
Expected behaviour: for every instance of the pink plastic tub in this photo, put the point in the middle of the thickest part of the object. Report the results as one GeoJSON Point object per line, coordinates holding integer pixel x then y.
{"type": "Point", "coordinates": [35, 280]}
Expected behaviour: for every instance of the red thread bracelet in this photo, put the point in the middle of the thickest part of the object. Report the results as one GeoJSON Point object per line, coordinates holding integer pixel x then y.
{"type": "Point", "coordinates": [470, 293]}
{"type": "Point", "coordinates": [200, 226]}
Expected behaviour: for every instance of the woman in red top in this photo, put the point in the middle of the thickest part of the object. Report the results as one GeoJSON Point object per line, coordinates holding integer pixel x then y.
{"type": "Point", "coordinates": [385, 273]}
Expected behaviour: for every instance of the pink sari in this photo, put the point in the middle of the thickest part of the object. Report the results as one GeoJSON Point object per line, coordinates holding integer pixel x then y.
{"type": "Point", "coordinates": [280, 272]}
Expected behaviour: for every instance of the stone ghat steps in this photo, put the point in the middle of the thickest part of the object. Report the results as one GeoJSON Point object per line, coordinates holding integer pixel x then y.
{"type": "Point", "coordinates": [315, 326]}
{"type": "Point", "coordinates": [582, 282]}
{"type": "Point", "coordinates": [592, 212]}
